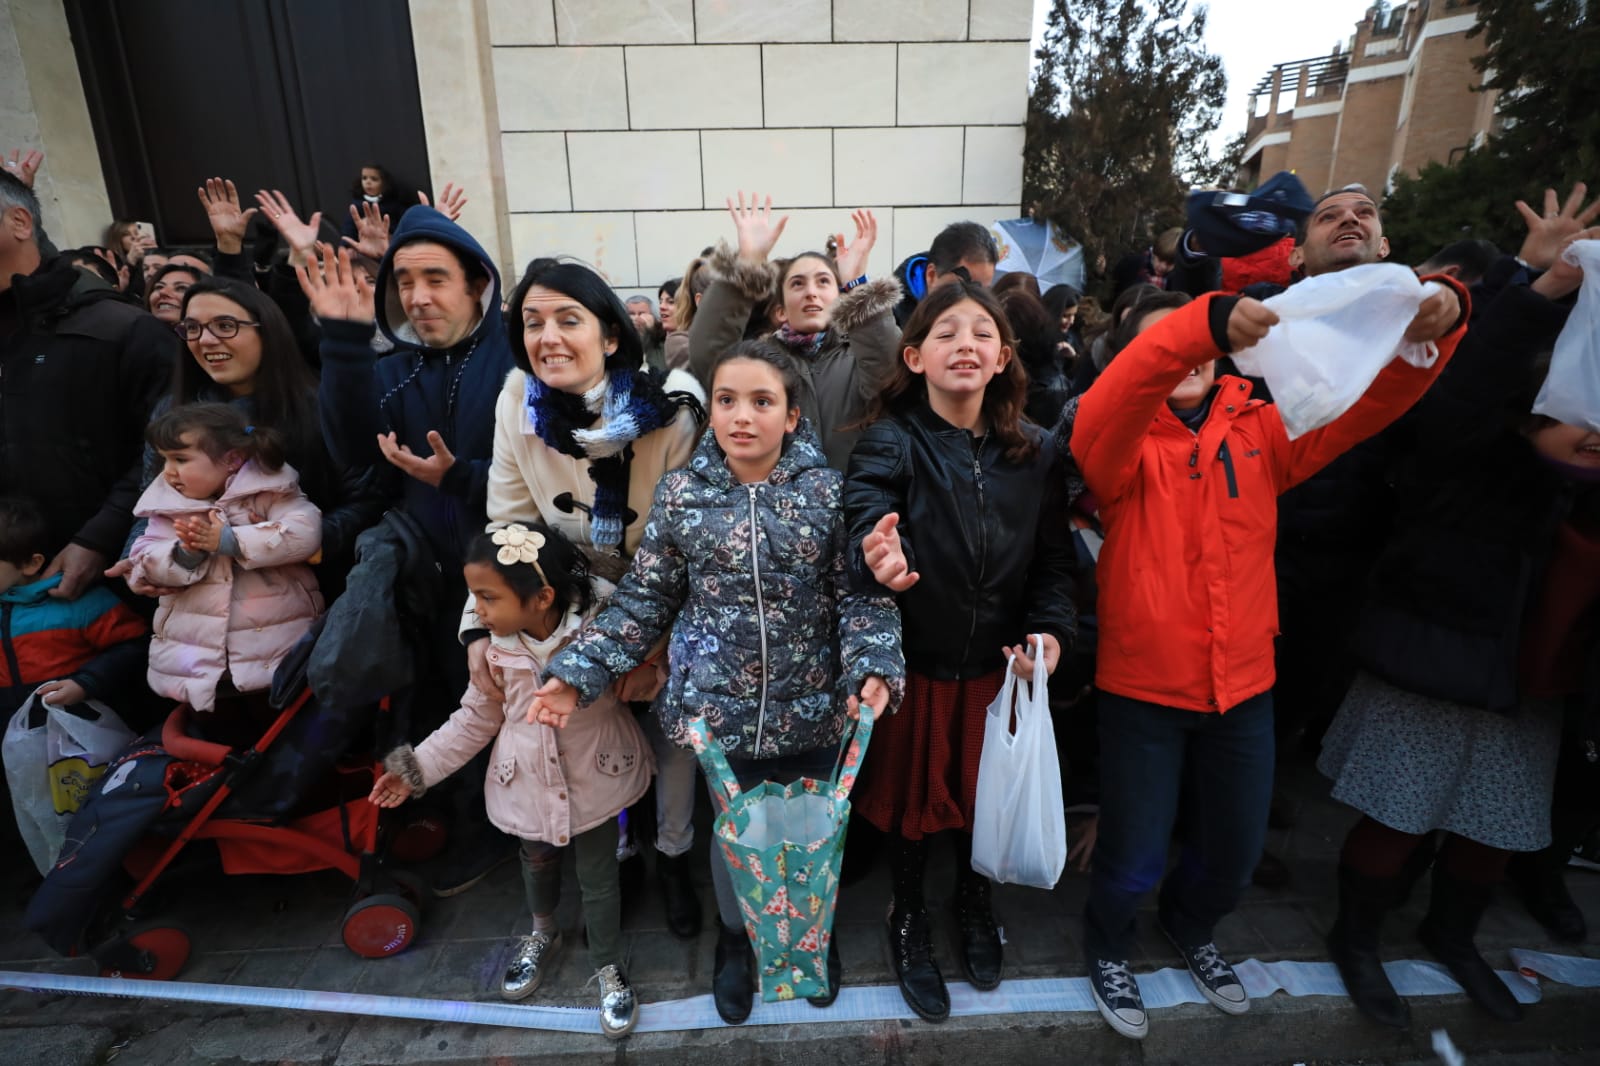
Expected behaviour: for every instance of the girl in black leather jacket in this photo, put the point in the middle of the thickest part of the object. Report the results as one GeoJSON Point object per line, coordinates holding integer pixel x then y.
{"type": "Point", "coordinates": [955, 504]}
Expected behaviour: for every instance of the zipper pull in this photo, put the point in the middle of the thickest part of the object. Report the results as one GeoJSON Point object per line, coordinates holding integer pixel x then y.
{"type": "Point", "coordinates": [1194, 456]}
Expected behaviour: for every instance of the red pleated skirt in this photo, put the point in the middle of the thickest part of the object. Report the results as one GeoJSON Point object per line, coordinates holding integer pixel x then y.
{"type": "Point", "coordinates": [921, 771]}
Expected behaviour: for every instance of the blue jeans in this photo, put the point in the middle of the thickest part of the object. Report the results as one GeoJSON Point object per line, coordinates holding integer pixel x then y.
{"type": "Point", "coordinates": [785, 769]}
{"type": "Point", "coordinates": [1151, 757]}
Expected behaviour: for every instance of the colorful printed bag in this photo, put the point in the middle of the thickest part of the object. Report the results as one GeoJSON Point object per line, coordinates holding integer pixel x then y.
{"type": "Point", "coordinates": [783, 845]}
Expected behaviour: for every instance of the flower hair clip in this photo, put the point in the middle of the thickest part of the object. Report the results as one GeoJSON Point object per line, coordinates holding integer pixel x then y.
{"type": "Point", "coordinates": [518, 544]}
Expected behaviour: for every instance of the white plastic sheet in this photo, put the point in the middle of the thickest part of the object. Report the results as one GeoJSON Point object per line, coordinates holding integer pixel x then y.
{"type": "Point", "coordinates": [1019, 827]}
{"type": "Point", "coordinates": [52, 759]}
{"type": "Point", "coordinates": [1571, 391]}
{"type": "Point", "coordinates": [1335, 333]}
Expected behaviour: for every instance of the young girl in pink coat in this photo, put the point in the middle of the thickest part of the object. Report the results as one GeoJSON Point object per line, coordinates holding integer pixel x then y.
{"type": "Point", "coordinates": [228, 540]}
{"type": "Point", "coordinates": [557, 791]}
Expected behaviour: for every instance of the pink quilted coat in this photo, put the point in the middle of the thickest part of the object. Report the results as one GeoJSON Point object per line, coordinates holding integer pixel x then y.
{"type": "Point", "coordinates": [544, 784]}
{"type": "Point", "coordinates": [235, 616]}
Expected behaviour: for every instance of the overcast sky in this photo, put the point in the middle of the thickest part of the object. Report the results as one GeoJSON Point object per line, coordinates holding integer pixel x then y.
{"type": "Point", "coordinates": [1253, 35]}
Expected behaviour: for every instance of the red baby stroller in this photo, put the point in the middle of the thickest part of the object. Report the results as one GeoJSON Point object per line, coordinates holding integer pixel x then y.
{"type": "Point", "coordinates": [286, 803]}
{"type": "Point", "coordinates": [382, 919]}
{"type": "Point", "coordinates": [291, 800]}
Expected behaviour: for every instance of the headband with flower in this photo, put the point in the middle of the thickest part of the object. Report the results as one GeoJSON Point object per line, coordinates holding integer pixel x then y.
{"type": "Point", "coordinates": [518, 544]}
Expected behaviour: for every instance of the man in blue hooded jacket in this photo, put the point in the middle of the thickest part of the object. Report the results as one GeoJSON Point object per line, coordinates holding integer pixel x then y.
{"type": "Point", "coordinates": [423, 417]}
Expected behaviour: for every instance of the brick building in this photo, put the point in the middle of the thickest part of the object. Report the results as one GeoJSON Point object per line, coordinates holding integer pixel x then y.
{"type": "Point", "coordinates": [1400, 94]}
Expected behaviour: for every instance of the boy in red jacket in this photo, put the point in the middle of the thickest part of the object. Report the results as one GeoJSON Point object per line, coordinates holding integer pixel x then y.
{"type": "Point", "coordinates": [1188, 469]}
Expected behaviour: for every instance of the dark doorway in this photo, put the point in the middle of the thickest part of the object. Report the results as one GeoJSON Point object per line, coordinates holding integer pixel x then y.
{"type": "Point", "coordinates": [276, 94]}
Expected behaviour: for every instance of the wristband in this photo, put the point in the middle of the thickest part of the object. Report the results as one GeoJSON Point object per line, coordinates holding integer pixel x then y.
{"type": "Point", "coordinates": [862, 280]}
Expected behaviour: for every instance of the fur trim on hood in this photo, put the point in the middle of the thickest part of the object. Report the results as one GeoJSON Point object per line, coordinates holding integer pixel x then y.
{"type": "Point", "coordinates": [864, 302]}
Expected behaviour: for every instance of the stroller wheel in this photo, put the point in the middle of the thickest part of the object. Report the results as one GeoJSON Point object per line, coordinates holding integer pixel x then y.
{"type": "Point", "coordinates": [149, 953]}
{"type": "Point", "coordinates": [380, 926]}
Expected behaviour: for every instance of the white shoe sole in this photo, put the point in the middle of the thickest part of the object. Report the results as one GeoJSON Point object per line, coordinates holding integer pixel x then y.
{"type": "Point", "coordinates": [1132, 1032]}
{"type": "Point", "coordinates": [1226, 1006]}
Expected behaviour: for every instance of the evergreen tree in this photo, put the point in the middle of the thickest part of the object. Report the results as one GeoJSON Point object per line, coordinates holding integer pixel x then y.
{"type": "Point", "coordinates": [1123, 101]}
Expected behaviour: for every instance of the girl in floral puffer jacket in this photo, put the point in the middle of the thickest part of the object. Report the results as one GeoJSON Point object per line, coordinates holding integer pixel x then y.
{"type": "Point", "coordinates": [746, 548]}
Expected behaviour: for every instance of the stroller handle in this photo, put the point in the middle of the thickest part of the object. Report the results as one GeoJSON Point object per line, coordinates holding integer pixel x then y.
{"type": "Point", "coordinates": [176, 739]}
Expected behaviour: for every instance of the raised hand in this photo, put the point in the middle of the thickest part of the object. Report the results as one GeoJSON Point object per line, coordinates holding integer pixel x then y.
{"type": "Point", "coordinates": [390, 790]}
{"type": "Point", "coordinates": [334, 288]}
{"type": "Point", "coordinates": [1549, 231]}
{"type": "Point", "coordinates": [886, 556]}
{"type": "Point", "coordinates": [1249, 322]}
{"type": "Point", "coordinates": [220, 198]}
{"type": "Point", "coordinates": [430, 470]}
{"type": "Point", "coordinates": [1563, 278]}
{"type": "Point", "coordinates": [372, 230]}
{"type": "Point", "coordinates": [24, 166]}
{"type": "Point", "coordinates": [452, 201]}
{"type": "Point", "coordinates": [300, 236]}
{"type": "Point", "coordinates": [852, 257]}
{"type": "Point", "coordinates": [757, 232]}
{"type": "Point", "coordinates": [1042, 643]}
{"type": "Point", "coordinates": [553, 704]}
{"type": "Point", "coordinates": [1435, 317]}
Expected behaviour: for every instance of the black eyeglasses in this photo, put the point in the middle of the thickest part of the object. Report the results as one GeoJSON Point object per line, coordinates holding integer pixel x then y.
{"type": "Point", "coordinates": [222, 327]}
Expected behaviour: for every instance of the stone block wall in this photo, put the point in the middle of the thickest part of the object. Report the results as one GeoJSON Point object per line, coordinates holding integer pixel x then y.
{"type": "Point", "coordinates": [622, 125]}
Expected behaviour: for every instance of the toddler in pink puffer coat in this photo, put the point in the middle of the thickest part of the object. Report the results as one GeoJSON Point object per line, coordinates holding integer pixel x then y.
{"type": "Point", "coordinates": [228, 540]}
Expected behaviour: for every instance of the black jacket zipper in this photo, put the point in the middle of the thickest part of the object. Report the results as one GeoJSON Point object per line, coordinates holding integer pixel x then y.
{"type": "Point", "coordinates": [1227, 468]}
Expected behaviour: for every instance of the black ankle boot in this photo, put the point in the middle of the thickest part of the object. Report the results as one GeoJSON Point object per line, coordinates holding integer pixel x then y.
{"type": "Point", "coordinates": [678, 895]}
{"type": "Point", "coordinates": [982, 954]}
{"type": "Point", "coordinates": [911, 955]}
{"type": "Point", "coordinates": [1447, 931]}
{"type": "Point", "coordinates": [835, 976]}
{"type": "Point", "coordinates": [733, 980]}
{"type": "Point", "coordinates": [1353, 944]}
{"type": "Point", "coordinates": [1542, 885]}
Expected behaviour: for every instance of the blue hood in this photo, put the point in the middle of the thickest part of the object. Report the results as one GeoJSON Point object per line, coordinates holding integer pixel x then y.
{"type": "Point", "coordinates": [427, 223]}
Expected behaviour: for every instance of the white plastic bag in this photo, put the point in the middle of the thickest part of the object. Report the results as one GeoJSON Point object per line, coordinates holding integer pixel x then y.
{"type": "Point", "coordinates": [1335, 333]}
{"type": "Point", "coordinates": [53, 756]}
{"type": "Point", "coordinates": [1019, 828]}
{"type": "Point", "coordinates": [1571, 391]}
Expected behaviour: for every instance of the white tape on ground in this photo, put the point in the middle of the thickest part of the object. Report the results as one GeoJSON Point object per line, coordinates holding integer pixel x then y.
{"type": "Point", "coordinates": [1164, 988]}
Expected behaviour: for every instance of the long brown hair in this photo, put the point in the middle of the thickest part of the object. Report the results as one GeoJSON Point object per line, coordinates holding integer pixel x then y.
{"type": "Point", "coordinates": [1004, 396]}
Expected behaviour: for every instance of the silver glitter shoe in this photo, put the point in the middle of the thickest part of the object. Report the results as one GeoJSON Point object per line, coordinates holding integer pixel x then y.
{"type": "Point", "coordinates": [619, 1008]}
{"type": "Point", "coordinates": [534, 957]}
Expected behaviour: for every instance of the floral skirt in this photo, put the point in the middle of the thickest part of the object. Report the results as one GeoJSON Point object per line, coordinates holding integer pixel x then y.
{"type": "Point", "coordinates": [1417, 764]}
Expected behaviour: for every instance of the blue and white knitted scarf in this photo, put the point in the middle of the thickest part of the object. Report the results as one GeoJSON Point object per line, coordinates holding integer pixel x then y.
{"type": "Point", "coordinates": [601, 426]}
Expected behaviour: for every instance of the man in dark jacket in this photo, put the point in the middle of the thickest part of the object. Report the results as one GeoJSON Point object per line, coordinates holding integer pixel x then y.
{"type": "Point", "coordinates": [80, 368]}
{"type": "Point", "coordinates": [423, 417]}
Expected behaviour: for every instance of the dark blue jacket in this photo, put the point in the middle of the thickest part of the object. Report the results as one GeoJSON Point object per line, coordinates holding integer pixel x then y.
{"type": "Point", "coordinates": [416, 389]}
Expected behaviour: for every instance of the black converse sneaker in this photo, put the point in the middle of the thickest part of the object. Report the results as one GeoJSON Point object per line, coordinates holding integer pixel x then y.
{"type": "Point", "coordinates": [1116, 993]}
{"type": "Point", "coordinates": [1213, 976]}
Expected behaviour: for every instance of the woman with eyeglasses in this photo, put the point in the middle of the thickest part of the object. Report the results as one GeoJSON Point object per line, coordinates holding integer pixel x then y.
{"type": "Point", "coordinates": [242, 351]}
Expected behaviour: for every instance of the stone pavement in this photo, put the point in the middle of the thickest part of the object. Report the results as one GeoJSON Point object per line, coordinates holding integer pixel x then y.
{"type": "Point", "coordinates": [285, 932]}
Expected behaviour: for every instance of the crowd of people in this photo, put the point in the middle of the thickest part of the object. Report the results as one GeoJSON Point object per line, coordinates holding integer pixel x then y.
{"type": "Point", "coordinates": [790, 492]}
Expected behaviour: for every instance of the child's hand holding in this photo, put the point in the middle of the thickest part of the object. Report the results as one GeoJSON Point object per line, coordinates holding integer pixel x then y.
{"type": "Point", "coordinates": [62, 693]}
{"type": "Point", "coordinates": [1249, 323]}
{"type": "Point", "coordinates": [1022, 663]}
{"type": "Point", "coordinates": [553, 704]}
{"type": "Point", "coordinates": [886, 557]}
{"type": "Point", "coordinates": [875, 694]}
{"type": "Point", "coordinates": [390, 790]}
{"type": "Point", "coordinates": [199, 533]}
